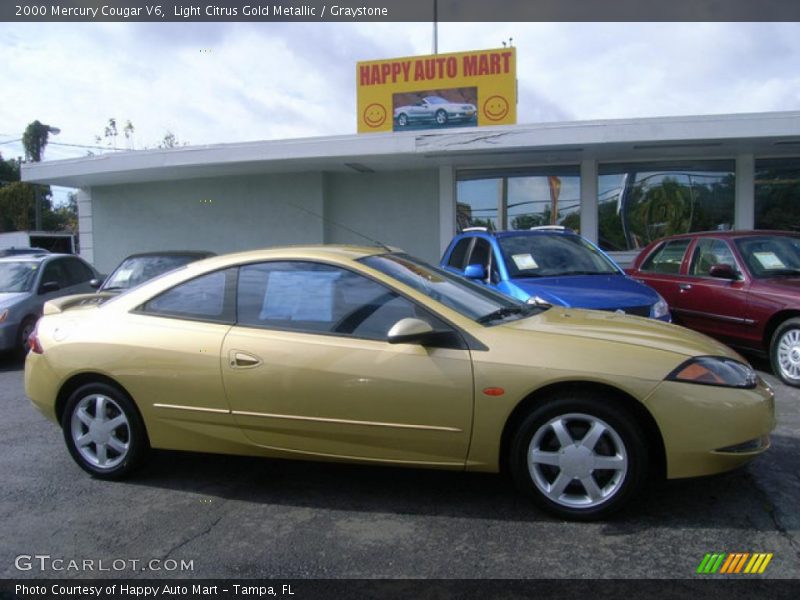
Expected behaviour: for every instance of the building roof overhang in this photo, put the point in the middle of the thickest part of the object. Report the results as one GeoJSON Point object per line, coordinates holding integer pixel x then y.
{"type": "Point", "coordinates": [644, 139]}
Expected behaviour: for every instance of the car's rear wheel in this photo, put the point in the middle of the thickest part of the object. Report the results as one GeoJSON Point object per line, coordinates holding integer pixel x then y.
{"type": "Point", "coordinates": [579, 457]}
{"type": "Point", "coordinates": [441, 117]}
{"type": "Point", "coordinates": [785, 352]}
{"type": "Point", "coordinates": [104, 432]}
{"type": "Point", "coordinates": [402, 120]}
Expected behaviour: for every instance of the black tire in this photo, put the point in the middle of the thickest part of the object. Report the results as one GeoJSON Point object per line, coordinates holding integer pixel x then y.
{"type": "Point", "coordinates": [559, 465]}
{"type": "Point", "coordinates": [402, 120]}
{"type": "Point", "coordinates": [784, 352]}
{"type": "Point", "coordinates": [25, 329]}
{"type": "Point", "coordinates": [441, 117]}
{"type": "Point", "coordinates": [110, 452]}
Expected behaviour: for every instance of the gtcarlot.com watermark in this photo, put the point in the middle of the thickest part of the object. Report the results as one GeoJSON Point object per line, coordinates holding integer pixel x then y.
{"type": "Point", "coordinates": [47, 563]}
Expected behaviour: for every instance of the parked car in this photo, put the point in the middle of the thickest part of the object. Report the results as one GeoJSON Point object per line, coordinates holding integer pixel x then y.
{"type": "Point", "coordinates": [27, 281]}
{"type": "Point", "coordinates": [372, 356]}
{"type": "Point", "coordinates": [550, 265]}
{"type": "Point", "coordinates": [434, 109]}
{"type": "Point", "coordinates": [22, 250]}
{"type": "Point", "coordinates": [741, 287]}
{"type": "Point", "coordinates": [138, 268]}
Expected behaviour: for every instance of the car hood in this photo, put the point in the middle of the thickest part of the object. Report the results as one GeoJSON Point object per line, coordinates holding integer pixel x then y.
{"type": "Point", "coordinates": [634, 331]}
{"type": "Point", "coordinates": [602, 292]}
{"type": "Point", "coordinates": [9, 298]}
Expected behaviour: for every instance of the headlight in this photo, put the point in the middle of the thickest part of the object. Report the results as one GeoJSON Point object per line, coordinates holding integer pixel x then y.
{"type": "Point", "coordinates": [659, 309]}
{"type": "Point", "coordinates": [715, 370]}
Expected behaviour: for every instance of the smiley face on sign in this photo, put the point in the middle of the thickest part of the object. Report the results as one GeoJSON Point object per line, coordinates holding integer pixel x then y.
{"type": "Point", "coordinates": [495, 108]}
{"type": "Point", "coordinates": [374, 115]}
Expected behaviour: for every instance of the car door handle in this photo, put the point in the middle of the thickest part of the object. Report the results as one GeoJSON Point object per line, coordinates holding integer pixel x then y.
{"type": "Point", "coordinates": [685, 287]}
{"type": "Point", "coordinates": [241, 360]}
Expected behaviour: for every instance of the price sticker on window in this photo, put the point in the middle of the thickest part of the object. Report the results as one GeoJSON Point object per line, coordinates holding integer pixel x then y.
{"type": "Point", "coordinates": [524, 262]}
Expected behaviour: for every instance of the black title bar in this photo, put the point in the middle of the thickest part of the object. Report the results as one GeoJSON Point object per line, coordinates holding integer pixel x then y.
{"type": "Point", "coordinates": [398, 10]}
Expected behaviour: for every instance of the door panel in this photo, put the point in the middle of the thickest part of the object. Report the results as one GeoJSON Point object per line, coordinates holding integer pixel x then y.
{"type": "Point", "coordinates": [348, 397]}
{"type": "Point", "coordinates": [715, 306]}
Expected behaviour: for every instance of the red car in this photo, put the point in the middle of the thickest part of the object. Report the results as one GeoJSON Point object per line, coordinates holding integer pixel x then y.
{"type": "Point", "coordinates": [741, 287]}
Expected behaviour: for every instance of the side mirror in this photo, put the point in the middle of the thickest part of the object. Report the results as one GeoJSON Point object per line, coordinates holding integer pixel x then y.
{"type": "Point", "coordinates": [475, 272]}
{"type": "Point", "coordinates": [410, 331]}
{"type": "Point", "coordinates": [723, 271]}
{"type": "Point", "coordinates": [49, 286]}
{"type": "Point", "coordinates": [95, 283]}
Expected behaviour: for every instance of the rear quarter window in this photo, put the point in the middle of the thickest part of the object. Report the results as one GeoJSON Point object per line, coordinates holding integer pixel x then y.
{"type": "Point", "coordinates": [666, 258]}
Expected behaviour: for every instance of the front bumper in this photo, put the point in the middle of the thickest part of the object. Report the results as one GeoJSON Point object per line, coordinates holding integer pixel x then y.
{"type": "Point", "coordinates": [708, 429]}
{"type": "Point", "coordinates": [8, 335]}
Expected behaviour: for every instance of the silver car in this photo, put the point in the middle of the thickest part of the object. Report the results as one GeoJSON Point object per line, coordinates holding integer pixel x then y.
{"type": "Point", "coordinates": [27, 282]}
{"type": "Point", "coordinates": [436, 109]}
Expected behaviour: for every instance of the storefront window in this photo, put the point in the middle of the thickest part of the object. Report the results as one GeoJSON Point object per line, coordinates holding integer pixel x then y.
{"type": "Point", "coordinates": [641, 202]}
{"type": "Point", "coordinates": [478, 202]}
{"type": "Point", "coordinates": [777, 194]}
{"type": "Point", "coordinates": [520, 198]}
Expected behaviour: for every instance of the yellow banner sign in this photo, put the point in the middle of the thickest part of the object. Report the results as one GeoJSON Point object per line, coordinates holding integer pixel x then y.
{"type": "Point", "coordinates": [440, 90]}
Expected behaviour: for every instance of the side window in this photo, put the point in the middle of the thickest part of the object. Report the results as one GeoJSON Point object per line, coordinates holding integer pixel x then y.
{"type": "Point", "coordinates": [666, 258]}
{"type": "Point", "coordinates": [709, 252]}
{"type": "Point", "coordinates": [56, 271]}
{"type": "Point", "coordinates": [316, 298]}
{"type": "Point", "coordinates": [77, 271]}
{"type": "Point", "coordinates": [201, 299]}
{"type": "Point", "coordinates": [459, 254]}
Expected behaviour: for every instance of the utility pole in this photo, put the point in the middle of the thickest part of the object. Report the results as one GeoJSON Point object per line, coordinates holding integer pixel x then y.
{"type": "Point", "coordinates": [436, 26]}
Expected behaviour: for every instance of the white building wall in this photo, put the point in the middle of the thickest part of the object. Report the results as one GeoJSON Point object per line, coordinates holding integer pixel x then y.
{"type": "Point", "coordinates": [397, 208]}
{"type": "Point", "coordinates": [220, 215]}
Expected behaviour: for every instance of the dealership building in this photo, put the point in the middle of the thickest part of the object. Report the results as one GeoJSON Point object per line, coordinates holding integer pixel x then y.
{"type": "Point", "coordinates": [621, 183]}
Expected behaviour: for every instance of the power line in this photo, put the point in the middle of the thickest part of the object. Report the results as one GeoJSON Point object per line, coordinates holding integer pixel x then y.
{"type": "Point", "coordinates": [86, 146]}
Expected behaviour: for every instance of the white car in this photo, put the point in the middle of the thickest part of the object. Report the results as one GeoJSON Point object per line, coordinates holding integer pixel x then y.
{"type": "Point", "coordinates": [435, 109]}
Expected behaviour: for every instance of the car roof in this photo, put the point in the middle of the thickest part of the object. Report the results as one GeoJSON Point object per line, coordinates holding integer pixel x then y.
{"type": "Point", "coordinates": [32, 257]}
{"type": "Point", "coordinates": [310, 252]}
{"type": "Point", "coordinates": [729, 234]}
{"type": "Point", "coordinates": [197, 253]}
{"type": "Point", "coordinates": [516, 232]}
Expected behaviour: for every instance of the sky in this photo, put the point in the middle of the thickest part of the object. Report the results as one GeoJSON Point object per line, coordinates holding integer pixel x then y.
{"type": "Point", "coordinates": [214, 83]}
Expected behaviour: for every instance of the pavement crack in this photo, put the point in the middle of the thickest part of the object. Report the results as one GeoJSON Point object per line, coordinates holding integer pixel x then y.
{"type": "Point", "coordinates": [200, 534]}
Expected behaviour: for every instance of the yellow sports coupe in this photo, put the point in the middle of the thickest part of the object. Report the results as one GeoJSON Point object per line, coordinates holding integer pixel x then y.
{"type": "Point", "coordinates": [370, 355]}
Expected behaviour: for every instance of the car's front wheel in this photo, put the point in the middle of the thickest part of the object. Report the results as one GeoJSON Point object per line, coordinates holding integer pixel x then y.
{"type": "Point", "coordinates": [25, 330]}
{"type": "Point", "coordinates": [104, 432]}
{"type": "Point", "coordinates": [579, 457]}
{"type": "Point", "coordinates": [785, 352]}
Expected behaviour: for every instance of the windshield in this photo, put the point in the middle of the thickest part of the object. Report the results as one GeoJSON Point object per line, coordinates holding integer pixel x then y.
{"type": "Point", "coordinates": [17, 277]}
{"type": "Point", "coordinates": [470, 299]}
{"type": "Point", "coordinates": [138, 269]}
{"type": "Point", "coordinates": [436, 100]}
{"type": "Point", "coordinates": [553, 256]}
{"type": "Point", "coordinates": [771, 255]}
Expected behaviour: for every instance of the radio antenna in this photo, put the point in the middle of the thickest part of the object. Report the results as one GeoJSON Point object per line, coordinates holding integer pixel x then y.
{"type": "Point", "coordinates": [332, 222]}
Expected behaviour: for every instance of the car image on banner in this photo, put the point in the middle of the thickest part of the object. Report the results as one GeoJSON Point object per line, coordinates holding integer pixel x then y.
{"type": "Point", "coordinates": [433, 110]}
{"type": "Point", "coordinates": [367, 355]}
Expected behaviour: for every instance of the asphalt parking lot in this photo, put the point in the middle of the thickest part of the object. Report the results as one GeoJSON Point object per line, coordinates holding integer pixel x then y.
{"type": "Point", "coordinates": [231, 517]}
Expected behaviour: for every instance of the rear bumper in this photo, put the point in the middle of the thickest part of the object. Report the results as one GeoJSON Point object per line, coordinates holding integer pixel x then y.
{"type": "Point", "coordinates": [41, 384]}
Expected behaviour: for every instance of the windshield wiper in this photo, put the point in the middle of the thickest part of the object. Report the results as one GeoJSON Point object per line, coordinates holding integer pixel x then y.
{"type": "Point", "coordinates": [506, 311]}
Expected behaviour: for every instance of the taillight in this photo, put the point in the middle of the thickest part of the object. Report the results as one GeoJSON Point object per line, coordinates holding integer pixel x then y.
{"type": "Point", "coordinates": [33, 341]}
